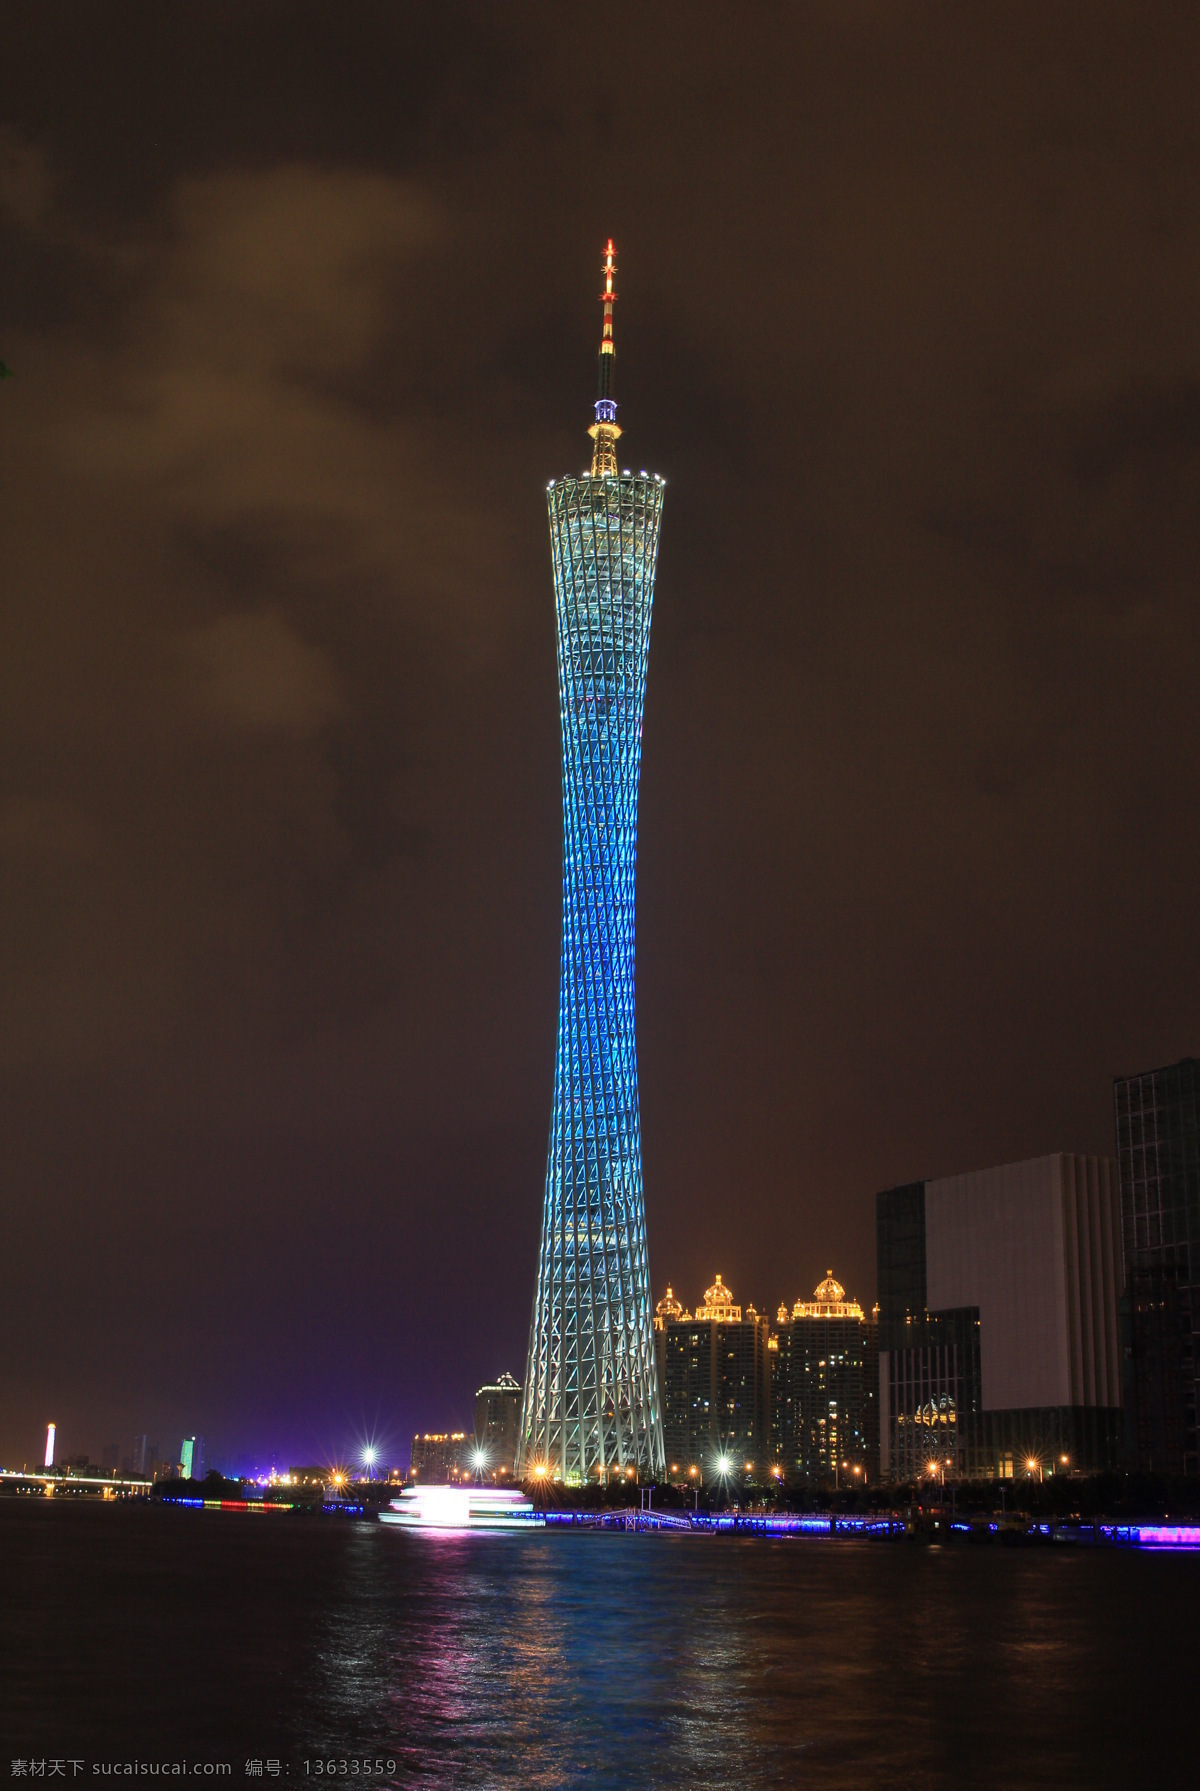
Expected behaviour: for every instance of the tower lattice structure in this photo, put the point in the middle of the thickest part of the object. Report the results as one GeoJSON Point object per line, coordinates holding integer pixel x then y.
{"type": "Point", "coordinates": [591, 1403]}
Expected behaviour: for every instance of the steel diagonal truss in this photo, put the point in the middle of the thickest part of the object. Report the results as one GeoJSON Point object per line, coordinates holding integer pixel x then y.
{"type": "Point", "coordinates": [591, 1385]}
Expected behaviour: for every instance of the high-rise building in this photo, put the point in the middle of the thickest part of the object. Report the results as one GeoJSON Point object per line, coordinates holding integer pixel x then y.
{"type": "Point", "coordinates": [137, 1462]}
{"type": "Point", "coordinates": [716, 1388]}
{"type": "Point", "coordinates": [439, 1457]}
{"type": "Point", "coordinates": [668, 1311]}
{"type": "Point", "coordinates": [191, 1458]}
{"type": "Point", "coordinates": [998, 1339]}
{"type": "Point", "coordinates": [1158, 1161]}
{"type": "Point", "coordinates": [498, 1424]}
{"type": "Point", "coordinates": [591, 1402]}
{"type": "Point", "coordinates": [50, 1430]}
{"type": "Point", "coordinates": [825, 1388]}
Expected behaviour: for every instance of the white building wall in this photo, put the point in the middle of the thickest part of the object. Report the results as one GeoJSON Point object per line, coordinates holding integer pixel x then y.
{"type": "Point", "coordinates": [1036, 1247]}
{"type": "Point", "coordinates": [1092, 1238]}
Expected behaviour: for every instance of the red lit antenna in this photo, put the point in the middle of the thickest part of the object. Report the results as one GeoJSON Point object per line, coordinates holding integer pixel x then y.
{"type": "Point", "coordinates": [608, 299]}
{"type": "Point", "coordinates": [604, 431]}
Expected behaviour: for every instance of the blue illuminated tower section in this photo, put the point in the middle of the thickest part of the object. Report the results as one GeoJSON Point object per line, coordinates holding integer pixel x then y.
{"type": "Point", "coordinates": [591, 1405]}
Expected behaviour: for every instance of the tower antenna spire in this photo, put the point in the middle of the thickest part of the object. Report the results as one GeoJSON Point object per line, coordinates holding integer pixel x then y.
{"type": "Point", "coordinates": [604, 431]}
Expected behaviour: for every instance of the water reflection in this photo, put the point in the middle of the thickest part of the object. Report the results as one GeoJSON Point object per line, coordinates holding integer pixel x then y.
{"type": "Point", "coordinates": [564, 1659]}
{"type": "Point", "coordinates": [644, 1661]}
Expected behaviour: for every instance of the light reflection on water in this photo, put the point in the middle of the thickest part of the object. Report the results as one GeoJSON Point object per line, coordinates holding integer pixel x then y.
{"type": "Point", "coordinates": [563, 1659]}
{"type": "Point", "coordinates": [645, 1661]}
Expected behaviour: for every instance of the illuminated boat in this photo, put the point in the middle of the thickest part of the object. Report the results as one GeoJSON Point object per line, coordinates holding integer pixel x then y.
{"type": "Point", "coordinates": [463, 1508]}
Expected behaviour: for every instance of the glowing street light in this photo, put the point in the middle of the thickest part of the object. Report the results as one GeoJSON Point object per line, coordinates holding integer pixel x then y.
{"type": "Point", "coordinates": [369, 1459]}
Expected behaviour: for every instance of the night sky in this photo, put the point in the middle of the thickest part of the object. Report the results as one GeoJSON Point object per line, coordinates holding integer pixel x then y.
{"type": "Point", "coordinates": [301, 305]}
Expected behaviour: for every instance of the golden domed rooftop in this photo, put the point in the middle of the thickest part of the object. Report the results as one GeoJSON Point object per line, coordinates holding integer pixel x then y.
{"type": "Point", "coordinates": [669, 1310]}
{"type": "Point", "coordinates": [718, 1303]}
{"type": "Point", "coordinates": [828, 1301]}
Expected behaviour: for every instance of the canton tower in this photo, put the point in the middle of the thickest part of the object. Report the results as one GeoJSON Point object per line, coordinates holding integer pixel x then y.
{"type": "Point", "coordinates": [591, 1404]}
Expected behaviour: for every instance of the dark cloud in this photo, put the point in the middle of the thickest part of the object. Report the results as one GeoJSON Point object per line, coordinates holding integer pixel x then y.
{"type": "Point", "coordinates": [301, 310]}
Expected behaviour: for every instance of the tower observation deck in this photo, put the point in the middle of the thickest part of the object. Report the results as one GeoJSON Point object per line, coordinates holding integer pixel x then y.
{"type": "Point", "coordinates": [591, 1400]}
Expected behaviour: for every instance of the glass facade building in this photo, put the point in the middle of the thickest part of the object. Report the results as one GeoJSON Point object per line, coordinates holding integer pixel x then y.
{"type": "Point", "coordinates": [1158, 1163]}
{"type": "Point", "coordinates": [998, 1334]}
{"type": "Point", "coordinates": [591, 1397]}
{"type": "Point", "coordinates": [929, 1362]}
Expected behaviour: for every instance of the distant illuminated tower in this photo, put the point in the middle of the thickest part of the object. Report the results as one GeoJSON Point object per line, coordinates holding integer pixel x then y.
{"type": "Point", "coordinates": [50, 1445]}
{"type": "Point", "coordinates": [591, 1402]}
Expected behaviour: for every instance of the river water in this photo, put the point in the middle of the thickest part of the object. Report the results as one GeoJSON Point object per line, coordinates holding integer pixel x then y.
{"type": "Point", "coordinates": [146, 1635]}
